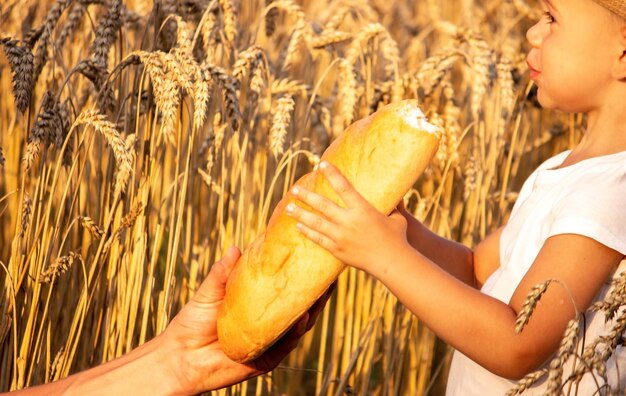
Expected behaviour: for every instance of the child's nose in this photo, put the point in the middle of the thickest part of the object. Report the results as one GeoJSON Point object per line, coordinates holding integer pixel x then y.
{"type": "Point", "coordinates": [534, 34]}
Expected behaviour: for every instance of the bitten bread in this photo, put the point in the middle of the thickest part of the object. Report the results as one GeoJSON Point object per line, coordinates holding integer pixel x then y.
{"type": "Point", "coordinates": [282, 273]}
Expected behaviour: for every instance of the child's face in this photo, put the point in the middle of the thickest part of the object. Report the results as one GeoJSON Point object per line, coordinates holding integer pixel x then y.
{"type": "Point", "coordinates": [573, 50]}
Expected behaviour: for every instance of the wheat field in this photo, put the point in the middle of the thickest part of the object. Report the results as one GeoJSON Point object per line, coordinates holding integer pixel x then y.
{"type": "Point", "coordinates": [139, 139]}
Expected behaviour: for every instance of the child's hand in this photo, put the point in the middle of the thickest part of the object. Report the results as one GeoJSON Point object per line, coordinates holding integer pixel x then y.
{"type": "Point", "coordinates": [358, 235]}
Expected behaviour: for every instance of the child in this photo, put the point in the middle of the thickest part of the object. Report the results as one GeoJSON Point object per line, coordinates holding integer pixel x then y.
{"type": "Point", "coordinates": [568, 225]}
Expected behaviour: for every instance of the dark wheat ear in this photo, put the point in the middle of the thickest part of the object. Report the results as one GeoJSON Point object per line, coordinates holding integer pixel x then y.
{"type": "Point", "coordinates": [110, 23]}
{"type": "Point", "coordinates": [59, 267]}
{"type": "Point", "coordinates": [48, 129]}
{"type": "Point", "coordinates": [41, 55]}
{"type": "Point", "coordinates": [27, 211]}
{"type": "Point", "coordinates": [21, 62]}
{"type": "Point", "coordinates": [73, 21]}
{"type": "Point", "coordinates": [270, 19]}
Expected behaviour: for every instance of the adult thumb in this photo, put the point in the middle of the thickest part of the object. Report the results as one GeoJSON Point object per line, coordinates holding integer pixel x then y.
{"type": "Point", "coordinates": [396, 213]}
{"type": "Point", "coordinates": [213, 287]}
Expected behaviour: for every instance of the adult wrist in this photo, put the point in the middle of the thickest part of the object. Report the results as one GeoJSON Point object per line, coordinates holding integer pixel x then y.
{"type": "Point", "coordinates": [147, 370]}
{"type": "Point", "coordinates": [169, 360]}
{"type": "Point", "coordinates": [175, 367]}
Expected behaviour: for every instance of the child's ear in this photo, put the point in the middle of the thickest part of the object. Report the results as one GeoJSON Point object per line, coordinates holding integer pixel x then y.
{"type": "Point", "coordinates": [619, 68]}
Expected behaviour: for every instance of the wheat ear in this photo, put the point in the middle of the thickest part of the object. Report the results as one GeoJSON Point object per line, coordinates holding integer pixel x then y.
{"type": "Point", "coordinates": [90, 225]}
{"type": "Point", "coordinates": [280, 123]}
{"type": "Point", "coordinates": [106, 31]}
{"type": "Point", "coordinates": [59, 267]}
{"type": "Point", "coordinates": [529, 305]}
{"type": "Point", "coordinates": [21, 63]}
{"type": "Point", "coordinates": [123, 156]}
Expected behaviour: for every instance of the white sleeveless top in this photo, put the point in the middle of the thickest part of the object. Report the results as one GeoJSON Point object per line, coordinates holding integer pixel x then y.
{"type": "Point", "coordinates": [587, 198]}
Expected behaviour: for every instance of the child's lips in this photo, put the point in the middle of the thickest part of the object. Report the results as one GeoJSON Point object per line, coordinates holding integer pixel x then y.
{"type": "Point", "coordinates": [533, 72]}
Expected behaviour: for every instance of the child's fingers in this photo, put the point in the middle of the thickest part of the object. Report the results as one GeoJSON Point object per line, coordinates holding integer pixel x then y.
{"type": "Point", "coordinates": [317, 237]}
{"type": "Point", "coordinates": [341, 185]}
{"type": "Point", "coordinates": [310, 220]}
{"type": "Point", "coordinates": [317, 202]}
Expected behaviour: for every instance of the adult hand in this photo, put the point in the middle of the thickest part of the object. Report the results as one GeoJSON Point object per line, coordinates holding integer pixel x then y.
{"type": "Point", "coordinates": [202, 365]}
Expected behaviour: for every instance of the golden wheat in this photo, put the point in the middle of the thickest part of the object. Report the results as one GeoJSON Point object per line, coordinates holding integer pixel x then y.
{"type": "Point", "coordinates": [280, 123]}
{"type": "Point", "coordinates": [248, 95]}
{"type": "Point", "coordinates": [90, 225]}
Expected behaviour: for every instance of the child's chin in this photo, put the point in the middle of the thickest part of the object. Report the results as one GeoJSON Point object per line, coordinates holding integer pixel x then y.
{"type": "Point", "coordinates": [546, 102]}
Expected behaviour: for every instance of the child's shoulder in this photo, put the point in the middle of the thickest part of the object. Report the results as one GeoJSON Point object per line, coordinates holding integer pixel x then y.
{"type": "Point", "coordinates": [614, 163]}
{"type": "Point", "coordinates": [554, 161]}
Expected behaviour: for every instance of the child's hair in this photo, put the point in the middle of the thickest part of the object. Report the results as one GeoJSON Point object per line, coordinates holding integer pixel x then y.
{"type": "Point", "coordinates": [618, 7]}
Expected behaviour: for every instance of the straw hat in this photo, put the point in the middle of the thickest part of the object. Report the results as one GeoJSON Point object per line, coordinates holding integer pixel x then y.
{"type": "Point", "coordinates": [617, 6]}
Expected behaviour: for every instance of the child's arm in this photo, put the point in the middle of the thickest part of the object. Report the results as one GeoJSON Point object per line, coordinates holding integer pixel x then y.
{"type": "Point", "coordinates": [471, 267]}
{"type": "Point", "coordinates": [479, 326]}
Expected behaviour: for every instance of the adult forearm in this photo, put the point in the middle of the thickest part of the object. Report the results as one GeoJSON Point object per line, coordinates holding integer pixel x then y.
{"type": "Point", "coordinates": [453, 257]}
{"type": "Point", "coordinates": [144, 371]}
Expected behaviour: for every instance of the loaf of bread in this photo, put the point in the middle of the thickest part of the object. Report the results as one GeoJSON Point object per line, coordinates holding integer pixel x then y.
{"type": "Point", "coordinates": [282, 273]}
